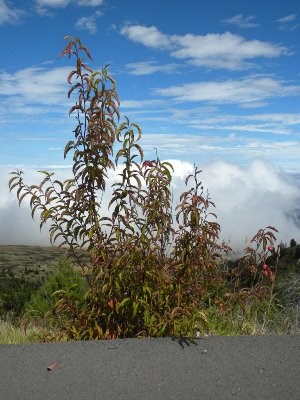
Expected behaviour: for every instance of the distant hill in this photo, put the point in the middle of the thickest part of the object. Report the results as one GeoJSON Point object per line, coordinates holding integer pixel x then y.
{"type": "Point", "coordinates": [289, 260]}
{"type": "Point", "coordinates": [36, 262]}
{"type": "Point", "coordinates": [30, 262]}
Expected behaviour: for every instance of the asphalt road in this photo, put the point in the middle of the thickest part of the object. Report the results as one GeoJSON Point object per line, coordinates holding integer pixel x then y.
{"type": "Point", "coordinates": [256, 367]}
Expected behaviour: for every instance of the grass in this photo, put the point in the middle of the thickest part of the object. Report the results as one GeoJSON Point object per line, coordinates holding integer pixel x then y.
{"type": "Point", "coordinates": [14, 333]}
{"type": "Point", "coordinates": [256, 319]}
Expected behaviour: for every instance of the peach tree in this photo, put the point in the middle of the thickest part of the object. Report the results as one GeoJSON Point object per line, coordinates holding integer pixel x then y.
{"type": "Point", "coordinates": [152, 269]}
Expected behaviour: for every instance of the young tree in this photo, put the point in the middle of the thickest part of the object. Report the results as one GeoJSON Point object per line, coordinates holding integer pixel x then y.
{"type": "Point", "coordinates": [146, 276]}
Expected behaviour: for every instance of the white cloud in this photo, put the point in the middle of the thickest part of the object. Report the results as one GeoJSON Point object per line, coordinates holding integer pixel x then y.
{"type": "Point", "coordinates": [263, 124]}
{"type": "Point", "coordinates": [275, 124]}
{"type": "Point", "coordinates": [17, 226]}
{"type": "Point", "coordinates": [90, 3]}
{"type": "Point", "coordinates": [88, 23]}
{"type": "Point", "coordinates": [252, 197]}
{"type": "Point", "coordinates": [52, 3]}
{"type": "Point", "coordinates": [183, 145]}
{"type": "Point", "coordinates": [42, 6]}
{"type": "Point", "coordinates": [209, 134]}
{"type": "Point", "coordinates": [236, 146]}
{"type": "Point", "coordinates": [253, 104]}
{"type": "Point", "coordinates": [241, 21]}
{"type": "Point", "coordinates": [212, 50]}
{"type": "Point", "coordinates": [287, 18]}
{"type": "Point", "coordinates": [225, 50]}
{"type": "Point", "coordinates": [254, 128]}
{"type": "Point", "coordinates": [214, 117]}
{"type": "Point", "coordinates": [64, 3]}
{"type": "Point", "coordinates": [9, 15]}
{"type": "Point", "coordinates": [246, 199]}
{"type": "Point", "coordinates": [242, 91]}
{"type": "Point", "coordinates": [278, 118]}
{"type": "Point", "coordinates": [148, 36]}
{"type": "Point", "coordinates": [140, 103]}
{"type": "Point", "coordinates": [38, 96]}
{"type": "Point", "coordinates": [35, 86]}
{"type": "Point", "coordinates": [287, 23]}
{"type": "Point", "coordinates": [149, 67]}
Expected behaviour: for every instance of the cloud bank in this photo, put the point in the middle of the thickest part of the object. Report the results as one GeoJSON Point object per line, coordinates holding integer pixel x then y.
{"type": "Point", "coordinates": [246, 199]}
{"type": "Point", "coordinates": [213, 50]}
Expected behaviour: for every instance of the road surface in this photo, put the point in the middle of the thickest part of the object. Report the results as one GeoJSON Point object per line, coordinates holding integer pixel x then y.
{"type": "Point", "coordinates": [248, 367]}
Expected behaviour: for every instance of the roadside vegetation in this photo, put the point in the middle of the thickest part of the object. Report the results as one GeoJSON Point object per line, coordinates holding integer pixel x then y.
{"type": "Point", "coordinates": [153, 266]}
{"type": "Point", "coordinates": [25, 307]}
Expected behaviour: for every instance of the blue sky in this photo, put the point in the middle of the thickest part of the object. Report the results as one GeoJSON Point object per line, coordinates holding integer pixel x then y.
{"type": "Point", "coordinates": [211, 82]}
{"type": "Point", "coordinates": [206, 80]}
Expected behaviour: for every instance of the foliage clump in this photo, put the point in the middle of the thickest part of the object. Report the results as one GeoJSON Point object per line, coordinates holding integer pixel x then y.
{"type": "Point", "coordinates": [153, 270]}
{"type": "Point", "coordinates": [64, 279]}
{"type": "Point", "coordinates": [14, 294]}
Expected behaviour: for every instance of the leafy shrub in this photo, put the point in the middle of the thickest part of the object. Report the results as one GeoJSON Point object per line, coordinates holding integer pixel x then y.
{"type": "Point", "coordinates": [14, 294]}
{"type": "Point", "coordinates": [63, 279]}
{"type": "Point", "coordinates": [153, 270]}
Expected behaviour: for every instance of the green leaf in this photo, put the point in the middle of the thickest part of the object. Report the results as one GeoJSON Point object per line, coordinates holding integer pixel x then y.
{"type": "Point", "coordinates": [47, 173]}
{"type": "Point", "coordinates": [14, 185]}
{"type": "Point", "coordinates": [135, 306]}
{"type": "Point", "coordinates": [22, 197]}
{"type": "Point", "coordinates": [68, 147]}
{"type": "Point", "coordinates": [12, 179]}
{"type": "Point", "coordinates": [78, 84]}
{"type": "Point", "coordinates": [122, 303]}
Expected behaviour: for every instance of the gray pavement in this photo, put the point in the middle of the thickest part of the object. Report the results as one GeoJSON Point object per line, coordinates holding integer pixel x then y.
{"type": "Point", "coordinates": [256, 367]}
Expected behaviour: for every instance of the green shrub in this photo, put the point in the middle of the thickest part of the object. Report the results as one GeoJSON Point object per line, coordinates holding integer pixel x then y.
{"type": "Point", "coordinates": [14, 294]}
{"type": "Point", "coordinates": [63, 279]}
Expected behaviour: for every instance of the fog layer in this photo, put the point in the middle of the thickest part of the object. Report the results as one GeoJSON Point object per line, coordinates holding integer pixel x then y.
{"type": "Point", "coordinates": [246, 199]}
